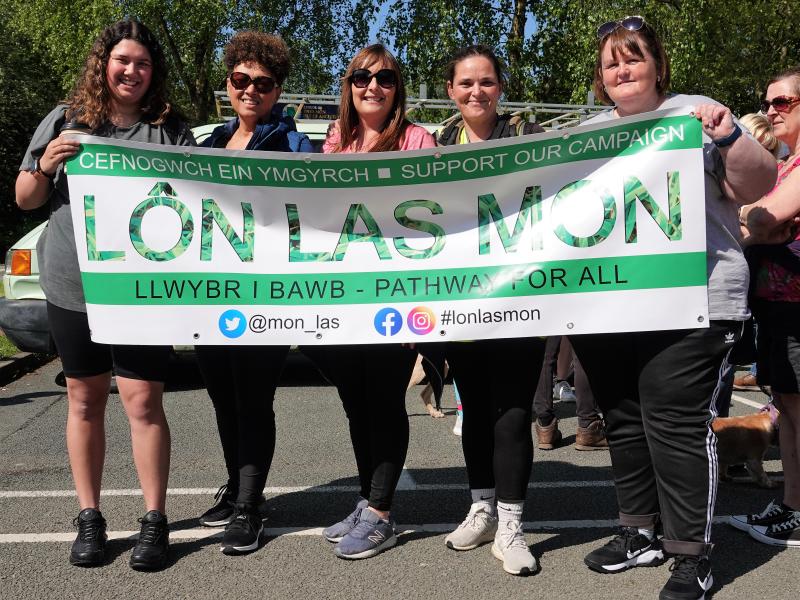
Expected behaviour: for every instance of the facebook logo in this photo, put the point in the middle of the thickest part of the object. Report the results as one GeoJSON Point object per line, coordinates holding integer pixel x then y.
{"type": "Point", "coordinates": [388, 321]}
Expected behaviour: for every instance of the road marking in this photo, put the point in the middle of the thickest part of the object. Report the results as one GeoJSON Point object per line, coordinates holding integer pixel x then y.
{"type": "Point", "coordinates": [747, 401]}
{"type": "Point", "coordinates": [324, 489]}
{"type": "Point", "coordinates": [201, 533]}
{"type": "Point", "coordinates": [406, 482]}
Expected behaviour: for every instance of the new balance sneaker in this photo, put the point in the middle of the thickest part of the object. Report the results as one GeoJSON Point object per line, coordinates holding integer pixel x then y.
{"type": "Point", "coordinates": [626, 550]}
{"type": "Point", "coordinates": [511, 548]}
{"type": "Point", "coordinates": [563, 391]}
{"type": "Point", "coordinates": [782, 533]}
{"type": "Point", "coordinates": [775, 512]}
{"type": "Point", "coordinates": [89, 548]}
{"type": "Point", "coordinates": [337, 531]}
{"type": "Point", "coordinates": [478, 528]}
{"type": "Point", "coordinates": [150, 552]}
{"type": "Point", "coordinates": [243, 533]}
{"type": "Point", "coordinates": [690, 580]}
{"type": "Point", "coordinates": [369, 537]}
{"type": "Point", "coordinates": [221, 514]}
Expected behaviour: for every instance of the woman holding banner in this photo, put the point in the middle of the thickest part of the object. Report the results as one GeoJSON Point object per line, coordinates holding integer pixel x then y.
{"type": "Point", "coordinates": [658, 389]}
{"type": "Point", "coordinates": [496, 378]}
{"type": "Point", "coordinates": [121, 94]}
{"type": "Point", "coordinates": [241, 380]}
{"type": "Point", "coordinates": [371, 379]}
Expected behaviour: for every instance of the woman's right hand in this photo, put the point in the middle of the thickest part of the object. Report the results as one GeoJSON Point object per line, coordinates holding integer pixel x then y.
{"type": "Point", "coordinates": [57, 151]}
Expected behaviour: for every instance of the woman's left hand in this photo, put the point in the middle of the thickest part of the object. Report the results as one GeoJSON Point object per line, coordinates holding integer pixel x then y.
{"type": "Point", "coordinates": [717, 120]}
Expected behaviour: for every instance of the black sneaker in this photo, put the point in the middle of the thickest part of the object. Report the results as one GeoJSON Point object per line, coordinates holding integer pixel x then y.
{"type": "Point", "coordinates": [150, 552]}
{"type": "Point", "coordinates": [243, 533]}
{"type": "Point", "coordinates": [89, 548]}
{"type": "Point", "coordinates": [627, 550]}
{"type": "Point", "coordinates": [690, 580]}
{"type": "Point", "coordinates": [783, 533]}
{"type": "Point", "coordinates": [221, 514]}
{"type": "Point", "coordinates": [775, 512]}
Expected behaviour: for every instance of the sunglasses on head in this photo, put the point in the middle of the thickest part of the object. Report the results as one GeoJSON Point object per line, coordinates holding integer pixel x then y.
{"type": "Point", "coordinates": [780, 103]}
{"type": "Point", "coordinates": [386, 78]}
{"type": "Point", "coordinates": [634, 23]}
{"type": "Point", "coordinates": [241, 81]}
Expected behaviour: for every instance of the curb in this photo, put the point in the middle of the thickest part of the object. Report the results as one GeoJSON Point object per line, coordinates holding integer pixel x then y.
{"type": "Point", "coordinates": [21, 364]}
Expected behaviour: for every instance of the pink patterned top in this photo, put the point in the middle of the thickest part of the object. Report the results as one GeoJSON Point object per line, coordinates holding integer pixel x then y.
{"type": "Point", "coordinates": [414, 138]}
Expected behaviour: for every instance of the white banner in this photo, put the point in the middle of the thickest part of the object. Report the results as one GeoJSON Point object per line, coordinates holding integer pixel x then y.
{"type": "Point", "coordinates": [594, 229]}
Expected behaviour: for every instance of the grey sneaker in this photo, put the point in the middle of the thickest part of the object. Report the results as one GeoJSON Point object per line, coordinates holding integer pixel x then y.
{"type": "Point", "coordinates": [563, 391]}
{"type": "Point", "coordinates": [478, 528]}
{"type": "Point", "coordinates": [369, 537]}
{"type": "Point", "coordinates": [510, 547]}
{"type": "Point", "coordinates": [337, 531]}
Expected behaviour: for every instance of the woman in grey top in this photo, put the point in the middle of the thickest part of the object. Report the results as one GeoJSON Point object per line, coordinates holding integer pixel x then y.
{"type": "Point", "coordinates": [657, 389]}
{"type": "Point", "coordinates": [121, 94]}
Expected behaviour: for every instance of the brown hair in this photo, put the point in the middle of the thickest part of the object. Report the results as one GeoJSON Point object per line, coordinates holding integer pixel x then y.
{"type": "Point", "coordinates": [632, 42]}
{"type": "Point", "coordinates": [90, 100]}
{"type": "Point", "coordinates": [790, 73]}
{"type": "Point", "coordinates": [267, 50]}
{"type": "Point", "coordinates": [395, 124]}
{"type": "Point", "coordinates": [475, 50]}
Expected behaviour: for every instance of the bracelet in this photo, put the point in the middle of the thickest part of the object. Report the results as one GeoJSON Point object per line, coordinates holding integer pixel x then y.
{"type": "Point", "coordinates": [730, 138]}
{"type": "Point", "coordinates": [37, 168]}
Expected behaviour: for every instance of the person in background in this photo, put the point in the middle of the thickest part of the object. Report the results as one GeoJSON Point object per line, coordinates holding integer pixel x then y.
{"type": "Point", "coordinates": [496, 378]}
{"type": "Point", "coordinates": [371, 379]}
{"type": "Point", "coordinates": [241, 380]}
{"type": "Point", "coordinates": [776, 307]}
{"type": "Point", "coordinates": [121, 94]}
{"type": "Point", "coordinates": [658, 389]}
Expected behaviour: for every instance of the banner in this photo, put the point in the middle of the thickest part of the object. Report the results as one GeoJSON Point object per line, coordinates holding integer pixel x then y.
{"type": "Point", "coordinates": [594, 229]}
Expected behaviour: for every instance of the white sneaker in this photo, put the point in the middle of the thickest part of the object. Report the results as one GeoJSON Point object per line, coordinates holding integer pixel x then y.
{"type": "Point", "coordinates": [457, 426]}
{"type": "Point", "coordinates": [510, 547]}
{"type": "Point", "coordinates": [478, 528]}
{"type": "Point", "coordinates": [563, 391]}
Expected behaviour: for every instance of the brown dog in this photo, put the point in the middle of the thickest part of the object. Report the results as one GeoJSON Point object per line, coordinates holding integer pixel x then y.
{"type": "Point", "coordinates": [745, 440]}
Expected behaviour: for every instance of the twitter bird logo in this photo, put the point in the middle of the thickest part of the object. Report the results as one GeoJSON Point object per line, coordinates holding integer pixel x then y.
{"type": "Point", "coordinates": [232, 323]}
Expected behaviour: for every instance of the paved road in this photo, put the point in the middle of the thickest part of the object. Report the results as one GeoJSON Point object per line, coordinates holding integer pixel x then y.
{"type": "Point", "coordinates": [570, 510]}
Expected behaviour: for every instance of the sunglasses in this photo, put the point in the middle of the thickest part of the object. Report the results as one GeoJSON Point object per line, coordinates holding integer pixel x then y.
{"type": "Point", "coordinates": [780, 103]}
{"type": "Point", "coordinates": [634, 23]}
{"type": "Point", "coordinates": [241, 81]}
{"type": "Point", "coordinates": [386, 78]}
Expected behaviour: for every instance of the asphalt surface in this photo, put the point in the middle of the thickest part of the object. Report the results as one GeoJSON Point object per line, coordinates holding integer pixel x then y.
{"type": "Point", "coordinates": [570, 510]}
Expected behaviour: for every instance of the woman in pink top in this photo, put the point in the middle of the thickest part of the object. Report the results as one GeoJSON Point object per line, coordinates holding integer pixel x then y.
{"type": "Point", "coordinates": [372, 379]}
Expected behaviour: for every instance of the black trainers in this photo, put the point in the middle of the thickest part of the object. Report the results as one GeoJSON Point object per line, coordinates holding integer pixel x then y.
{"type": "Point", "coordinates": [775, 512]}
{"type": "Point", "coordinates": [150, 552]}
{"type": "Point", "coordinates": [221, 514]}
{"type": "Point", "coordinates": [627, 550]}
{"type": "Point", "coordinates": [690, 580]}
{"type": "Point", "coordinates": [243, 533]}
{"type": "Point", "coordinates": [89, 548]}
{"type": "Point", "coordinates": [782, 533]}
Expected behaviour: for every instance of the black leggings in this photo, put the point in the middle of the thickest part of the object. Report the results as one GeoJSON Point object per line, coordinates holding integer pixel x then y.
{"type": "Point", "coordinates": [241, 382]}
{"type": "Point", "coordinates": [496, 380]}
{"type": "Point", "coordinates": [372, 381]}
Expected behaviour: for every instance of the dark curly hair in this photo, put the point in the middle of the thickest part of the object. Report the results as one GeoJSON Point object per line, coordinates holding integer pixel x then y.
{"type": "Point", "coordinates": [267, 50]}
{"type": "Point", "coordinates": [90, 100]}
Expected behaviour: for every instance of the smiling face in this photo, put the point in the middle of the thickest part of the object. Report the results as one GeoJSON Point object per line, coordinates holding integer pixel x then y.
{"type": "Point", "coordinates": [249, 104]}
{"type": "Point", "coordinates": [630, 80]}
{"type": "Point", "coordinates": [374, 102]}
{"type": "Point", "coordinates": [475, 89]}
{"type": "Point", "coordinates": [785, 125]}
{"type": "Point", "coordinates": [128, 73]}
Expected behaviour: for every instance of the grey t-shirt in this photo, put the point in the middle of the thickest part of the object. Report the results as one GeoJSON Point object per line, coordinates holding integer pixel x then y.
{"type": "Point", "coordinates": [728, 275]}
{"type": "Point", "coordinates": [58, 257]}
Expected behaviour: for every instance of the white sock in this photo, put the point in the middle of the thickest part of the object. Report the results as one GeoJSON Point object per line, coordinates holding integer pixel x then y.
{"type": "Point", "coordinates": [509, 511]}
{"type": "Point", "coordinates": [650, 534]}
{"type": "Point", "coordinates": [484, 497]}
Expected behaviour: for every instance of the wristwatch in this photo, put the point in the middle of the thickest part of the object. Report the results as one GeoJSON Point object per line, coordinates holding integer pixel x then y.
{"type": "Point", "coordinates": [37, 168]}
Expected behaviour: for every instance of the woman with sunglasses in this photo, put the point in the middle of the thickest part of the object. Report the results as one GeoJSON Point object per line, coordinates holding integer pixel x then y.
{"type": "Point", "coordinates": [658, 389]}
{"type": "Point", "coordinates": [371, 379]}
{"type": "Point", "coordinates": [496, 378]}
{"type": "Point", "coordinates": [121, 94]}
{"type": "Point", "coordinates": [241, 380]}
{"type": "Point", "coordinates": [776, 306]}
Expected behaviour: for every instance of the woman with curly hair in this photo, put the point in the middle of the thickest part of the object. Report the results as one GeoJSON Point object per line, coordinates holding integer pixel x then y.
{"type": "Point", "coordinates": [121, 94]}
{"type": "Point", "coordinates": [241, 380]}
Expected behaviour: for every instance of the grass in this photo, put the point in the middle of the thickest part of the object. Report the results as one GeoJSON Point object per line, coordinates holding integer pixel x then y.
{"type": "Point", "coordinates": [7, 349]}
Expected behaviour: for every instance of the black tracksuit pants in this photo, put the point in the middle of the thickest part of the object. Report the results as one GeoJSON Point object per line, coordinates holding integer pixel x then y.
{"type": "Point", "coordinates": [658, 393]}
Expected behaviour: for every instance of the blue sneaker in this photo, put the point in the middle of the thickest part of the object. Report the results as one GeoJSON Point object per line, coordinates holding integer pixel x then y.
{"type": "Point", "coordinates": [369, 537]}
{"type": "Point", "coordinates": [337, 531]}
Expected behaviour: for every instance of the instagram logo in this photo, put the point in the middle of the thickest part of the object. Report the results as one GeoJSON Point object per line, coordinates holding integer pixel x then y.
{"type": "Point", "coordinates": [421, 320]}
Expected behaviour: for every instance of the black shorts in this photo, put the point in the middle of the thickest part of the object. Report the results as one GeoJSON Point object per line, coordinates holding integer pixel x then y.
{"type": "Point", "coordinates": [81, 357]}
{"type": "Point", "coordinates": [778, 345]}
